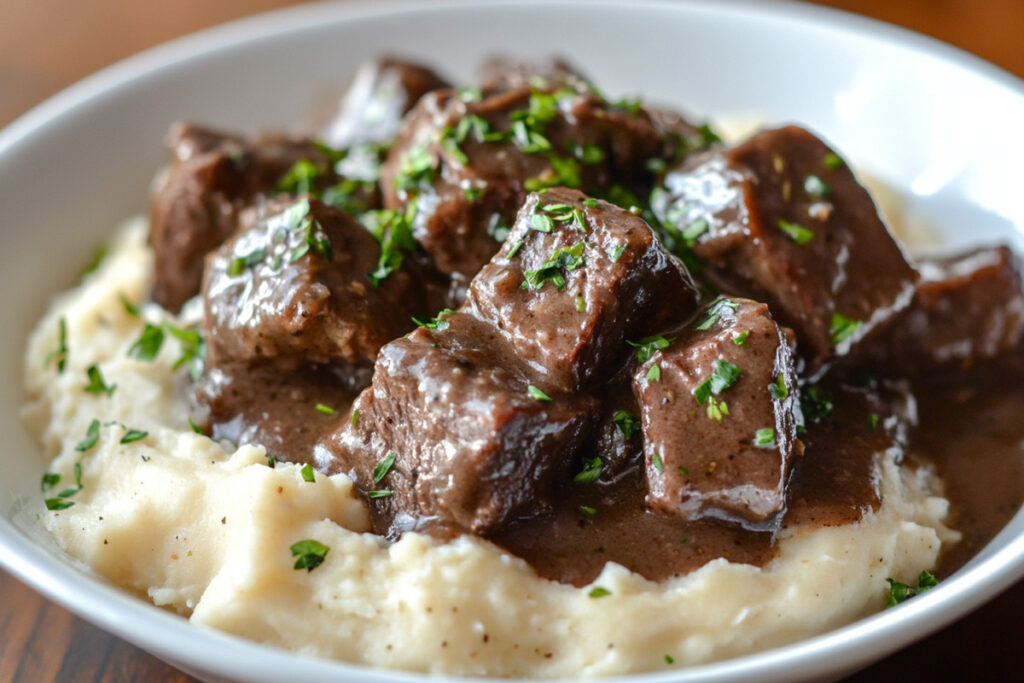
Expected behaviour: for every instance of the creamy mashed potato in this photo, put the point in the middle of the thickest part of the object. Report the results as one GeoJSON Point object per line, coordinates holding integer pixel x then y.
{"type": "Point", "coordinates": [205, 528]}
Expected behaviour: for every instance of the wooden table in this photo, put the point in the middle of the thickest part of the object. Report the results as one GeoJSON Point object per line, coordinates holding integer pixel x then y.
{"type": "Point", "coordinates": [40, 641]}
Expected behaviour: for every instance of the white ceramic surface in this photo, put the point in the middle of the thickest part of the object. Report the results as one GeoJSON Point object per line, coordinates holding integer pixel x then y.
{"type": "Point", "coordinates": [940, 126]}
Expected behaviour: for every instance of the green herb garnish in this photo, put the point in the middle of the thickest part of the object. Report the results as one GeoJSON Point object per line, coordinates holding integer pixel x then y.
{"type": "Point", "coordinates": [324, 409]}
{"type": "Point", "coordinates": [60, 354]}
{"type": "Point", "coordinates": [842, 328]}
{"type": "Point", "coordinates": [723, 375]}
{"type": "Point", "coordinates": [193, 350]}
{"type": "Point", "coordinates": [658, 464]}
{"type": "Point", "coordinates": [383, 467]}
{"type": "Point", "coordinates": [654, 373]}
{"type": "Point", "coordinates": [898, 592]}
{"type": "Point", "coordinates": [832, 161]}
{"type": "Point", "coordinates": [437, 322]}
{"type": "Point", "coordinates": [311, 554]}
{"type": "Point", "coordinates": [591, 471]}
{"type": "Point", "coordinates": [719, 307]}
{"type": "Point", "coordinates": [626, 423]}
{"type": "Point", "coordinates": [129, 308]}
{"type": "Point", "coordinates": [764, 438]}
{"type": "Point", "coordinates": [795, 232]}
{"type": "Point", "coordinates": [741, 338]}
{"type": "Point", "coordinates": [307, 473]}
{"type": "Point", "coordinates": [92, 435]}
{"type": "Point", "coordinates": [778, 388]}
{"type": "Point", "coordinates": [587, 510]}
{"type": "Point", "coordinates": [147, 346]}
{"type": "Point", "coordinates": [380, 493]}
{"type": "Point", "coordinates": [96, 383]}
{"type": "Point", "coordinates": [816, 187]}
{"type": "Point", "coordinates": [134, 435]}
{"type": "Point", "coordinates": [648, 346]}
{"type": "Point", "coordinates": [564, 259]}
{"type": "Point", "coordinates": [598, 592]}
{"type": "Point", "coordinates": [195, 428]}
{"type": "Point", "coordinates": [537, 395]}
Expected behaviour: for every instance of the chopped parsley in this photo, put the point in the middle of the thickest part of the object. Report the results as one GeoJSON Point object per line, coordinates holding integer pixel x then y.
{"type": "Point", "coordinates": [719, 307]}
{"type": "Point", "coordinates": [92, 435]}
{"type": "Point", "coordinates": [299, 178]}
{"type": "Point", "coordinates": [658, 464]}
{"type": "Point", "coordinates": [325, 409]}
{"type": "Point", "coordinates": [723, 375]}
{"type": "Point", "coordinates": [60, 502]}
{"type": "Point", "coordinates": [393, 230]}
{"type": "Point", "coordinates": [496, 228]}
{"type": "Point", "coordinates": [592, 203]}
{"type": "Point", "coordinates": [307, 473]}
{"type": "Point", "coordinates": [588, 511]}
{"type": "Point", "coordinates": [310, 554]}
{"type": "Point", "coordinates": [60, 354]}
{"type": "Point", "coordinates": [599, 592]}
{"type": "Point", "coordinates": [588, 154]}
{"type": "Point", "coordinates": [816, 187]}
{"type": "Point", "coordinates": [417, 168]}
{"type": "Point", "coordinates": [708, 136]}
{"type": "Point", "coordinates": [795, 232]}
{"type": "Point", "coordinates": [654, 373]}
{"type": "Point", "coordinates": [565, 259]}
{"type": "Point", "coordinates": [694, 230]}
{"type": "Point", "coordinates": [238, 264]}
{"type": "Point", "coordinates": [764, 438]}
{"type": "Point", "coordinates": [842, 328]}
{"type": "Point", "coordinates": [193, 350]}
{"type": "Point", "coordinates": [195, 428]}
{"type": "Point", "coordinates": [626, 423]}
{"type": "Point", "coordinates": [271, 461]}
{"type": "Point", "coordinates": [437, 322]}
{"type": "Point", "coordinates": [382, 468]}
{"type": "Point", "coordinates": [591, 471]}
{"type": "Point", "coordinates": [355, 417]}
{"type": "Point", "coordinates": [741, 338]}
{"type": "Point", "coordinates": [648, 346]}
{"type": "Point", "coordinates": [380, 493]}
{"type": "Point", "coordinates": [134, 435]}
{"type": "Point", "coordinates": [898, 592]}
{"type": "Point", "coordinates": [129, 308]}
{"type": "Point", "coordinates": [581, 304]}
{"type": "Point", "coordinates": [537, 395]}
{"type": "Point", "coordinates": [816, 404]}
{"type": "Point", "coordinates": [96, 383]}
{"type": "Point", "coordinates": [615, 253]}
{"type": "Point", "coordinates": [872, 421]}
{"type": "Point", "coordinates": [832, 161]}
{"type": "Point", "coordinates": [541, 223]}
{"type": "Point", "coordinates": [717, 409]}
{"type": "Point", "coordinates": [147, 346]}
{"type": "Point", "coordinates": [669, 659]}
{"type": "Point", "coordinates": [778, 388]}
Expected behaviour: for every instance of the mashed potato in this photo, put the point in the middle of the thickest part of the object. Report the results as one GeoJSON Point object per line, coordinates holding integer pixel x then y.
{"type": "Point", "coordinates": [205, 528]}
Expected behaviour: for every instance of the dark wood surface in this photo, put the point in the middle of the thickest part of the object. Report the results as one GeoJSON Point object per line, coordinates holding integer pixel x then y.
{"type": "Point", "coordinates": [40, 641]}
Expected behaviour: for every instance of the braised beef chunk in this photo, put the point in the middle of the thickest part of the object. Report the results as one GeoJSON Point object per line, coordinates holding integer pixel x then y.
{"type": "Point", "coordinates": [966, 308]}
{"type": "Point", "coordinates": [780, 218]}
{"type": "Point", "coordinates": [195, 205]}
{"type": "Point", "coordinates": [473, 444]}
{"type": "Point", "coordinates": [464, 167]}
{"type": "Point", "coordinates": [500, 73]}
{"type": "Point", "coordinates": [574, 279]}
{"type": "Point", "coordinates": [293, 286]}
{"type": "Point", "coordinates": [720, 410]}
{"type": "Point", "coordinates": [383, 91]}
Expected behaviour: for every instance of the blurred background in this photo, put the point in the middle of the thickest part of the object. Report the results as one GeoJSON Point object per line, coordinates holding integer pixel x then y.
{"type": "Point", "coordinates": [45, 45]}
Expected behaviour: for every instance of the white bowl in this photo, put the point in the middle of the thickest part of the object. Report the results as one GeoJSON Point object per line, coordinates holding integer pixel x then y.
{"type": "Point", "coordinates": [938, 125]}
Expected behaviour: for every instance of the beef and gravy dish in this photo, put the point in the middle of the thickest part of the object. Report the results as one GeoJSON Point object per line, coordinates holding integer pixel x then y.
{"type": "Point", "coordinates": [520, 380]}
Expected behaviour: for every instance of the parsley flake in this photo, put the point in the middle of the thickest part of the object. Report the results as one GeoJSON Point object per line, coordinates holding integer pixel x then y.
{"type": "Point", "coordinates": [324, 409]}
{"type": "Point", "coordinates": [565, 259]}
{"type": "Point", "coordinates": [648, 346]}
{"type": "Point", "coordinates": [92, 435]}
{"type": "Point", "coordinates": [193, 350]}
{"type": "Point", "coordinates": [591, 471]}
{"type": "Point", "coordinates": [310, 554]}
{"type": "Point", "coordinates": [764, 438]}
{"type": "Point", "coordinates": [658, 464]}
{"type": "Point", "coordinates": [147, 346]}
{"type": "Point", "coordinates": [195, 428]}
{"type": "Point", "coordinates": [654, 373]}
{"type": "Point", "coordinates": [778, 388]}
{"type": "Point", "coordinates": [626, 423]}
{"type": "Point", "coordinates": [537, 395]}
{"type": "Point", "coordinates": [831, 161]}
{"type": "Point", "coordinates": [380, 493]}
{"type": "Point", "coordinates": [134, 435]}
{"type": "Point", "coordinates": [129, 308]}
{"type": "Point", "coordinates": [741, 338]}
{"type": "Point", "coordinates": [60, 354]}
{"type": "Point", "coordinates": [355, 417]}
{"type": "Point", "coordinates": [383, 467]}
{"type": "Point", "coordinates": [615, 253]}
{"type": "Point", "coordinates": [723, 375]}
{"type": "Point", "coordinates": [437, 322]}
{"type": "Point", "coordinates": [795, 232]}
{"type": "Point", "coordinates": [96, 384]}
{"type": "Point", "coordinates": [842, 328]}
{"type": "Point", "coordinates": [307, 473]}
{"type": "Point", "coordinates": [599, 592]}
{"type": "Point", "coordinates": [49, 480]}
{"type": "Point", "coordinates": [719, 307]}
{"type": "Point", "coordinates": [898, 592]}
{"type": "Point", "coordinates": [588, 511]}
{"type": "Point", "coordinates": [816, 187]}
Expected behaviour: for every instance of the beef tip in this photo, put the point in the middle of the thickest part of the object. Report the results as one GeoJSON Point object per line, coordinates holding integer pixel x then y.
{"type": "Point", "coordinates": [781, 219]}
{"type": "Point", "coordinates": [500, 73]}
{"type": "Point", "coordinates": [966, 308]}
{"type": "Point", "coordinates": [383, 91]}
{"type": "Point", "coordinates": [680, 137]}
{"type": "Point", "coordinates": [719, 415]}
{"type": "Point", "coordinates": [465, 166]}
{"type": "Point", "coordinates": [576, 277]}
{"type": "Point", "coordinates": [294, 286]}
{"type": "Point", "coordinates": [195, 204]}
{"type": "Point", "coordinates": [473, 445]}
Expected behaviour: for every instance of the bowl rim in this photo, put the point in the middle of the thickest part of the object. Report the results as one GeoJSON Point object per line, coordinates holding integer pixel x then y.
{"type": "Point", "coordinates": [211, 652]}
